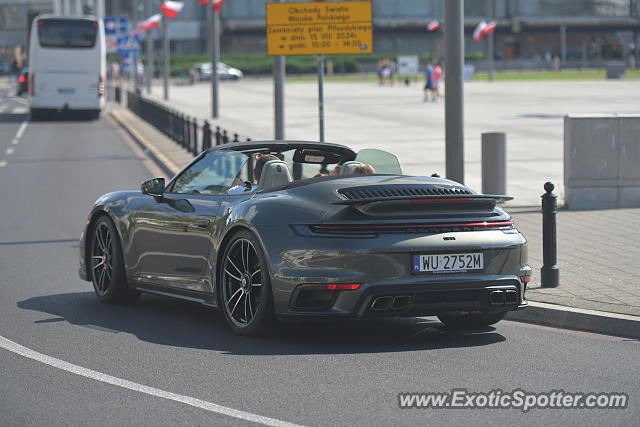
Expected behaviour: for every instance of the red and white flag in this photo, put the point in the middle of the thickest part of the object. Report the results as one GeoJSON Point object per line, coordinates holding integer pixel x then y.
{"type": "Point", "coordinates": [217, 5]}
{"type": "Point", "coordinates": [483, 29]}
{"type": "Point", "coordinates": [171, 9]}
{"type": "Point", "coordinates": [433, 26]}
{"type": "Point", "coordinates": [148, 24]}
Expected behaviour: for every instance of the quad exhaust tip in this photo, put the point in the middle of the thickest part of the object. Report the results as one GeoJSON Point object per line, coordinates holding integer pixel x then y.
{"type": "Point", "coordinates": [398, 302]}
{"type": "Point", "coordinates": [509, 296]}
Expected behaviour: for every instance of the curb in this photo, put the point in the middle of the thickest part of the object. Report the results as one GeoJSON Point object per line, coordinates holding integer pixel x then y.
{"type": "Point", "coordinates": [564, 317]}
{"type": "Point", "coordinates": [164, 162]}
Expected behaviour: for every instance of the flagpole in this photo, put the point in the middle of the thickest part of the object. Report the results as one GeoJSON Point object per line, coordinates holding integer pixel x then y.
{"type": "Point", "coordinates": [490, 54]}
{"type": "Point", "coordinates": [165, 56]}
{"type": "Point", "coordinates": [149, 43]}
{"type": "Point", "coordinates": [215, 59]}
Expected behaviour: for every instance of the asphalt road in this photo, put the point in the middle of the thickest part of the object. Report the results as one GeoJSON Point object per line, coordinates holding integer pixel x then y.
{"type": "Point", "coordinates": [87, 363]}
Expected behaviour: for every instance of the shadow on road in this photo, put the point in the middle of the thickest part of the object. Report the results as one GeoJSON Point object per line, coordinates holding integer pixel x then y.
{"type": "Point", "coordinates": [165, 321]}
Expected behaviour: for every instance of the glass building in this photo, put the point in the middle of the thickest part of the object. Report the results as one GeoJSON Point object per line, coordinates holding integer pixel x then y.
{"type": "Point", "coordinates": [580, 31]}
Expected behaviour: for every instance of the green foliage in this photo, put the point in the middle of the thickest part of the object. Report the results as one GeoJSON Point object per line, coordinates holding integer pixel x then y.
{"type": "Point", "coordinates": [252, 63]}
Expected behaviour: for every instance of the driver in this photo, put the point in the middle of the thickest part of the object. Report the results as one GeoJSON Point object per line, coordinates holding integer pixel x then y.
{"type": "Point", "coordinates": [257, 172]}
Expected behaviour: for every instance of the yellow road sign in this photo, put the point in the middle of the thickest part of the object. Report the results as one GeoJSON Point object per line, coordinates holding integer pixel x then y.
{"type": "Point", "coordinates": [318, 28]}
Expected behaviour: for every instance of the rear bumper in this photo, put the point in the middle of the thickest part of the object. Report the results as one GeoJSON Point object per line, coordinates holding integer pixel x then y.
{"type": "Point", "coordinates": [60, 104]}
{"type": "Point", "coordinates": [414, 300]}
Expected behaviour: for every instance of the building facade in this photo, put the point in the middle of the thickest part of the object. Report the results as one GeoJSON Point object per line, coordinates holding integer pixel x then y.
{"type": "Point", "coordinates": [580, 32]}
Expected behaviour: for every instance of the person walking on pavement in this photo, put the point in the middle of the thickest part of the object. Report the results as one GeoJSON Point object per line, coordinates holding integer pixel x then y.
{"type": "Point", "coordinates": [428, 84]}
{"type": "Point", "coordinates": [436, 79]}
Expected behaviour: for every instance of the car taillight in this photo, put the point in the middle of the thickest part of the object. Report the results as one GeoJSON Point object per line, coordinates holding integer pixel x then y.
{"type": "Point", "coordinates": [32, 84]}
{"type": "Point", "coordinates": [333, 286]}
{"type": "Point", "coordinates": [22, 79]}
{"type": "Point", "coordinates": [100, 86]}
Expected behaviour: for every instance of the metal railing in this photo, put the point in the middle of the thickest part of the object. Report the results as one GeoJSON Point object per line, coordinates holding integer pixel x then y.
{"type": "Point", "coordinates": [186, 131]}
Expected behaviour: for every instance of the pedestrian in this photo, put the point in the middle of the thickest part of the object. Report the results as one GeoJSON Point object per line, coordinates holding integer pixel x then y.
{"type": "Point", "coordinates": [379, 68]}
{"type": "Point", "coordinates": [436, 80]}
{"type": "Point", "coordinates": [385, 73]}
{"type": "Point", "coordinates": [428, 84]}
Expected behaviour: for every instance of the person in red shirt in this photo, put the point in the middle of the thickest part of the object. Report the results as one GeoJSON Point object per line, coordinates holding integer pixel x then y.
{"type": "Point", "coordinates": [436, 80]}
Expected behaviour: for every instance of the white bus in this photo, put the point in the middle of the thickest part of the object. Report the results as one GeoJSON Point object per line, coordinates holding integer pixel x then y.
{"type": "Point", "coordinates": [67, 65]}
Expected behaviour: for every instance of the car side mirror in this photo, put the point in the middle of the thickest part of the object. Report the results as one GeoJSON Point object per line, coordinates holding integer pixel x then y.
{"type": "Point", "coordinates": [153, 187]}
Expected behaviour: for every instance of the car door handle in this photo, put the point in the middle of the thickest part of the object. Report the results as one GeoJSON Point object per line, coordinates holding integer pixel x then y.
{"type": "Point", "coordinates": [199, 224]}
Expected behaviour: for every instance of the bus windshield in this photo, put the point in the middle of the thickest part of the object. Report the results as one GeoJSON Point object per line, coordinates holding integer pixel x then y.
{"type": "Point", "coordinates": [67, 33]}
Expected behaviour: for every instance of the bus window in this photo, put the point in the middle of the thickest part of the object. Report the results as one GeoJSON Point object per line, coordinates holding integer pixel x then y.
{"type": "Point", "coordinates": [67, 33]}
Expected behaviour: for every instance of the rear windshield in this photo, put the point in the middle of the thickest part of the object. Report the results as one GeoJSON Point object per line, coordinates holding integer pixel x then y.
{"type": "Point", "coordinates": [67, 33]}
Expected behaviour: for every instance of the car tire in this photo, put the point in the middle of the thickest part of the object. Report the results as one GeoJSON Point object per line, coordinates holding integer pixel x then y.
{"type": "Point", "coordinates": [471, 321]}
{"type": "Point", "coordinates": [244, 286]}
{"type": "Point", "coordinates": [106, 264]}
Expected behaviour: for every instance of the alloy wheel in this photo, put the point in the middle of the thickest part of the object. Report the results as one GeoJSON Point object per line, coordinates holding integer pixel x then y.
{"type": "Point", "coordinates": [102, 258]}
{"type": "Point", "coordinates": [241, 282]}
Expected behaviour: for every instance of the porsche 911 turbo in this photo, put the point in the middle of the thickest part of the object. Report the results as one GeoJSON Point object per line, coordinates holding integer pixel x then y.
{"type": "Point", "coordinates": [282, 231]}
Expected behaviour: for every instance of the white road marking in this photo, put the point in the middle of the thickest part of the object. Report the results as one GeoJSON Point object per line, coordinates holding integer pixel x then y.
{"type": "Point", "coordinates": [152, 391]}
{"type": "Point", "coordinates": [3, 163]}
{"type": "Point", "coordinates": [22, 128]}
{"type": "Point", "coordinates": [15, 141]}
{"type": "Point", "coordinates": [10, 150]}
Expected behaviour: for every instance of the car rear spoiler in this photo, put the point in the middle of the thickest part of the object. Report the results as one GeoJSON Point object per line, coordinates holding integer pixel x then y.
{"type": "Point", "coordinates": [402, 205]}
{"type": "Point", "coordinates": [429, 199]}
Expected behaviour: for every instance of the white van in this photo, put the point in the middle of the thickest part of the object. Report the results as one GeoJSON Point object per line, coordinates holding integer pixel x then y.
{"type": "Point", "coordinates": [67, 65]}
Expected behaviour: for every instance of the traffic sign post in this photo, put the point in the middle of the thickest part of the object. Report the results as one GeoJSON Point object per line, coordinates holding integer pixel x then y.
{"type": "Point", "coordinates": [303, 28]}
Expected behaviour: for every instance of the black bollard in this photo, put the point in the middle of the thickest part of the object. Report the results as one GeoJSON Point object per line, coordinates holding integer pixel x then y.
{"type": "Point", "coordinates": [206, 136]}
{"type": "Point", "coordinates": [550, 272]}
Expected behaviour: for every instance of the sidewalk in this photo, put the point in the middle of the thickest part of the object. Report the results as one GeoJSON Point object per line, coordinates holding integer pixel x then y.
{"type": "Point", "coordinates": [598, 252]}
{"type": "Point", "coordinates": [395, 118]}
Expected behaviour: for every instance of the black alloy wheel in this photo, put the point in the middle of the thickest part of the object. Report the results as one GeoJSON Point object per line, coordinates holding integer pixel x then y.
{"type": "Point", "coordinates": [245, 291]}
{"type": "Point", "coordinates": [106, 264]}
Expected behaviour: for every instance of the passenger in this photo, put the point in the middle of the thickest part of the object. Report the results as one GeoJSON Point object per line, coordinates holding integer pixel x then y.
{"type": "Point", "coordinates": [335, 171]}
{"type": "Point", "coordinates": [363, 169]}
{"type": "Point", "coordinates": [257, 172]}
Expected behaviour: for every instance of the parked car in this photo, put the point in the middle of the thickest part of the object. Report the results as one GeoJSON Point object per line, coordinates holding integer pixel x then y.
{"type": "Point", "coordinates": [363, 241]}
{"type": "Point", "coordinates": [23, 82]}
{"type": "Point", "coordinates": [225, 72]}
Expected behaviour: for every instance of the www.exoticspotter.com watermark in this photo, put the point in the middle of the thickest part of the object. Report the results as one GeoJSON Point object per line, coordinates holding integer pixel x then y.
{"type": "Point", "coordinates": [515, 399]}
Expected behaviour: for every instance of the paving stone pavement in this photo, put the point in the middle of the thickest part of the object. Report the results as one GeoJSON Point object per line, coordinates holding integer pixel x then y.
{"type": "Point", "coordinates": [598, 254]}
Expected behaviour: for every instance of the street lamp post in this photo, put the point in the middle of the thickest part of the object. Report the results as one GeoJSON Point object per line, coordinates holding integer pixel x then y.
{"type": "Point", "coordinates": [454, 98]}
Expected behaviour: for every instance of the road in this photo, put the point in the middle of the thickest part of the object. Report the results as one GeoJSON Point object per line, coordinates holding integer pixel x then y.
{"type": "Point", "coordinates": [66, 359]}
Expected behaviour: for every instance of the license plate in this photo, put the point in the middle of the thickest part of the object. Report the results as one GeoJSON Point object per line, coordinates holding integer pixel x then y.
{"type": "Point", "coordinates": [66, 91]}
{"type": "Point", "coordinates": [447, 263]}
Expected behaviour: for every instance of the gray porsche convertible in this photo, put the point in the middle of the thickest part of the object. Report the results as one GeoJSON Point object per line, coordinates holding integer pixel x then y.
{"type": "Point", "coordinates": [285, 230]}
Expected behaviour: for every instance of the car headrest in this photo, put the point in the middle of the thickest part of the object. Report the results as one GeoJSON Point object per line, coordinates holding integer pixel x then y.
{"type": "Point", "coordinates": [348, 167]}
{"type": "Point", "coordinates": [274, 173]}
